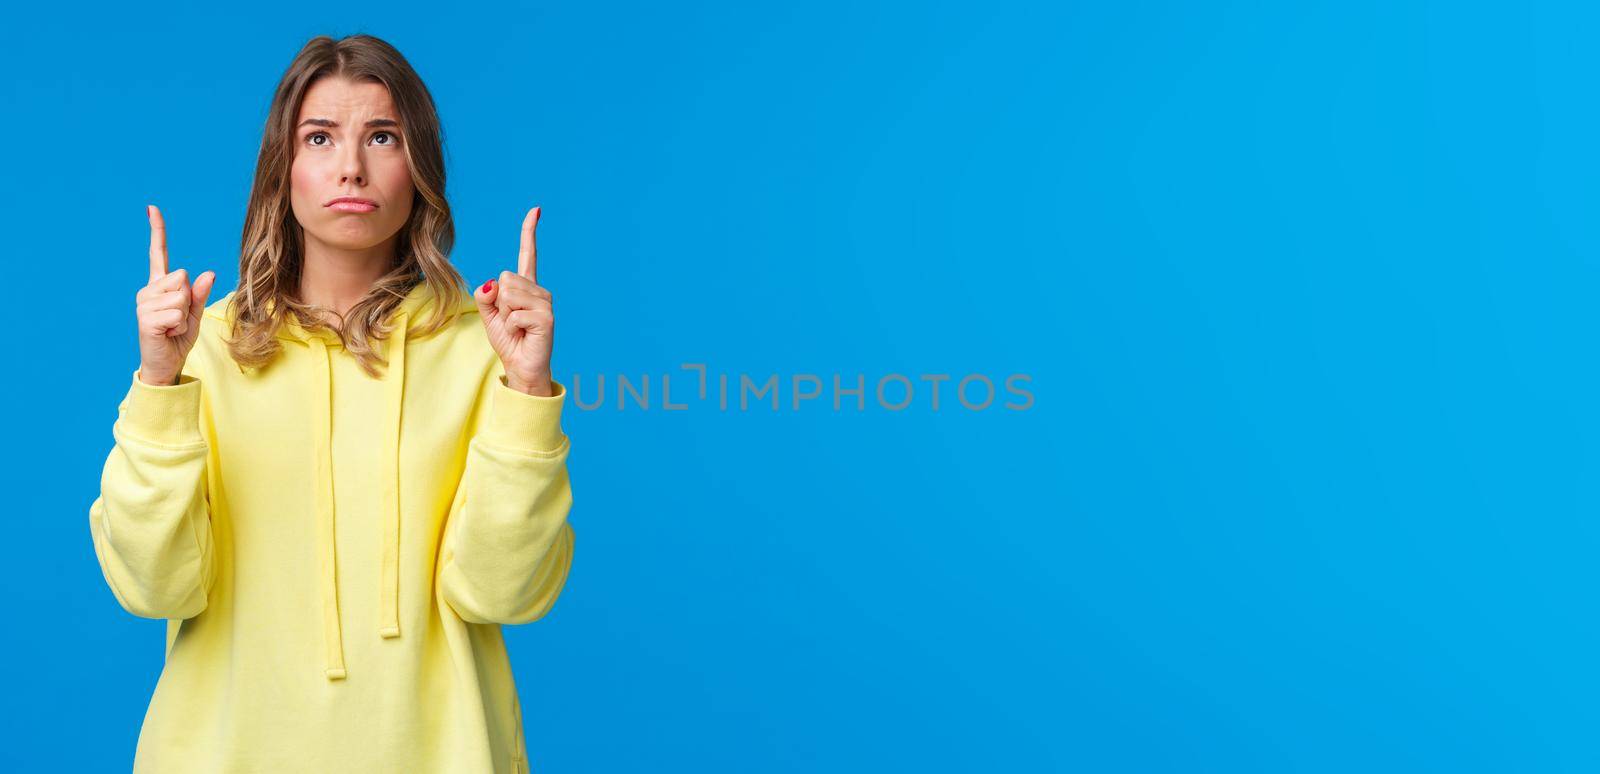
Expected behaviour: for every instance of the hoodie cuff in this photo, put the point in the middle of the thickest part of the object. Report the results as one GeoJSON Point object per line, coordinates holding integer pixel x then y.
{"type": "Point", "coordinates": [530, 423]}
{"type": "Point", "coordinates": [164, 414]}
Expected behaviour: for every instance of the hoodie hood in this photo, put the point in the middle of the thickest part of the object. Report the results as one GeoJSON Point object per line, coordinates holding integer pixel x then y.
{"type": "Point", "coordinates": [413, 311]}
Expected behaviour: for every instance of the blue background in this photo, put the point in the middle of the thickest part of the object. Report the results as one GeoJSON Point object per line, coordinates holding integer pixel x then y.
{"type": "Point", "coordinates": [1305, 293]}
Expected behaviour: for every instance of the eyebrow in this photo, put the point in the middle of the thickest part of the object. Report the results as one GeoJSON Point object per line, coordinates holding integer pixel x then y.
{"type": "Point", "coordinates": [326, 122]}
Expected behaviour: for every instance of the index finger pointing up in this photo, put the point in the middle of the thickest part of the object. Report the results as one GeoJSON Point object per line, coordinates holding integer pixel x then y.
{"type": "Point", "coordinates": [528, 256]}
{"type": "Point", "coordinates": [158, 243]}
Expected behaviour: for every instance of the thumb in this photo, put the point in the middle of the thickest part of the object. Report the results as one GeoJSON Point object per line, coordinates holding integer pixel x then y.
{"type": "Point", "coordinates": [199, 291]}
{"type": "Point", "coordinates": [485, 296]}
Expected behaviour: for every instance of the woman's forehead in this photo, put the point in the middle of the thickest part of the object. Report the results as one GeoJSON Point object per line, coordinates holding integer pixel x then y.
{"type": "Point", "coordinates": [332, 97]}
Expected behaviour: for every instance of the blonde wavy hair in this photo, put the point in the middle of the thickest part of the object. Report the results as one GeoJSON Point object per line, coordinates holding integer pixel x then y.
{"type": "Point", "coordinates": [272, 249]}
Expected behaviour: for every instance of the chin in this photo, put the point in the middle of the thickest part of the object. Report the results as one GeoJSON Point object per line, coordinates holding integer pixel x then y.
{"type": "Point", "coordinates": [354, 238]}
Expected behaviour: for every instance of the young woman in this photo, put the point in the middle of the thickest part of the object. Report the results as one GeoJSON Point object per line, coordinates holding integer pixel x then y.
{"type": "Point", "coordinates": [338, 481]}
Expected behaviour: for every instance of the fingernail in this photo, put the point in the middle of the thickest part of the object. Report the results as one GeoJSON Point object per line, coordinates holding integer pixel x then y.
{"type": "Point", "coordinates": [488, 285]}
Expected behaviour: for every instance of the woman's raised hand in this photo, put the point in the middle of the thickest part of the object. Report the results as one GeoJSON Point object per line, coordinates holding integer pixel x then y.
{"type": "Point", "coordinates": [169, 310]}
{"type": "Point", "coordinates": [518, 317]}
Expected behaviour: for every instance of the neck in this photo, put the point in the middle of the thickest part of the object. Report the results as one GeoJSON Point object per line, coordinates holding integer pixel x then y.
{"type": "Point", "coordinates": [337, 277]}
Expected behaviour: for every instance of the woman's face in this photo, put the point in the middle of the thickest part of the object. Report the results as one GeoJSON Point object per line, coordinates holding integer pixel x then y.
{"type": "Point", "coordinates": [347, 144]}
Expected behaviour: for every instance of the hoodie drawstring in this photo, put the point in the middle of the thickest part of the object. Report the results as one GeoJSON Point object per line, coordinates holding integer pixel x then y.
{"type": "Point", "coordinates": [389, 584]}
{"type": "Point", "coordinates": [389, 580]}
{"type": "Point", "coordinates": [327, 561]}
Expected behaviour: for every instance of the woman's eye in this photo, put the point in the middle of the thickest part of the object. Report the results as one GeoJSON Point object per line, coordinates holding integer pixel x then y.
{"type": "Point", "coordinates": [321, 139]}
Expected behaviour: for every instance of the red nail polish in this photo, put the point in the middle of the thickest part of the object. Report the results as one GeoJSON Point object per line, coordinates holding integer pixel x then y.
{"type": "Point", "coordinates": [488, 285]}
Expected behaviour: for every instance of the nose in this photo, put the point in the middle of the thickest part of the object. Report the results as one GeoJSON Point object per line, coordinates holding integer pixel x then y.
{"type": "Point", "coordinates": [352, 167]}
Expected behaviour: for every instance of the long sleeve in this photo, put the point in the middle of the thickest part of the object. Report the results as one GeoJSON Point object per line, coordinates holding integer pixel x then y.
{"type": "Point", "coordinates": [508, 545]}
{"type": "Point", "coordinates": [151, 523]}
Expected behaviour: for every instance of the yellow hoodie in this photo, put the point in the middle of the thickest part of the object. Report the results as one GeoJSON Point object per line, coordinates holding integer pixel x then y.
{"type": "Point", "coordinates": [335, 553]}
